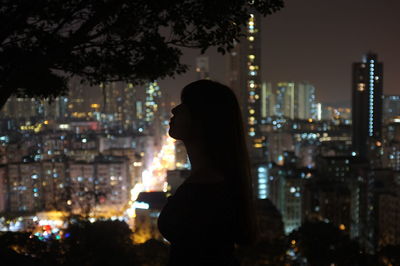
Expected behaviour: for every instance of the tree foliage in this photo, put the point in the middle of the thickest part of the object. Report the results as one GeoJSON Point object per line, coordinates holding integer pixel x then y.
{"type": "Point", "coordinates": [44, 43]}
{"type": "Point", "coordinates": [106, 243]}
{"type": "Point", "coordinates": [323, 243]}
{"type": "Point", "coordinates": [99, 243]}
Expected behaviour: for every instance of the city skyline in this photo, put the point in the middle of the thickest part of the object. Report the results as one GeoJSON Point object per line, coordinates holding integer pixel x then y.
{"type": "Point", "coordinates": [317, 146]}
{"type": "Point", "coordinates": [295, 47]}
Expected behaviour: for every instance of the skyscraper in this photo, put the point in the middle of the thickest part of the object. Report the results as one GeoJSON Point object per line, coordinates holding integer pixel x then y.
{"type": "Point", "coordinates": [305, 104]}
{"type": "Point", "coordinates": [296, 100]}
{"type": "Point", "coordinates": [285, 99]}
{"type": "Point", "coordinates": [366, 102]}
{"type": "Point", "coordinates": [391, 107]}
{"type": "Point", "coordinates": [267, 100]}
{"type": "Point", "coordinates": [119, 104]}
{"type": "Point", "coordinates": [27, 108]}
{"type": "Point", "coordinates": [153, 95]}
{"type": "Point", "coordinates": [245, 76]}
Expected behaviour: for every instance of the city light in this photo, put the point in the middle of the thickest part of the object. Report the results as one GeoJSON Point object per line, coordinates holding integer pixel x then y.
{"type": "Point", "coordinates": [154, 177]}
{"type": "Point", "coordinates": [321, 154]}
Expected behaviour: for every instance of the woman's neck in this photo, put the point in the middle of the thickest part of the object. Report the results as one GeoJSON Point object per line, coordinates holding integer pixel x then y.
{"type": "Point", "coordinates": [201, 168]}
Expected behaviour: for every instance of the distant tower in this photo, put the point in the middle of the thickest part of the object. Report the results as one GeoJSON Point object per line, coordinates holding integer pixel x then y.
{"type": "Point", "coordinates": [391, 107]}
{"type": "Point", "coordinates": [153, 113]}
{"type": "Point", "coordinates": [267, 100]}
{"type": "Point", "coordinates": [305, 105]}
{"type": "Point", "coordinates": [153, 96]}
{"type": "Point", "coordinates": [366, 102]}
{"type": "Point", "coordinates": [202, 67]}
{"type": "Point", "coordinates": [113, 105]}
{"type": "Point", "coordinates": [27, 108]}
{"type": "Point", "coordinates": [285, 99]}
{"type": "Point", "coordinates": [245, 78]}
{"type": "Point", "coordinates": [296, 100]}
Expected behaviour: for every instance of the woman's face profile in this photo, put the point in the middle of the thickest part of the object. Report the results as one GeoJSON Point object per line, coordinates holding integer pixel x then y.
{"type": "Point", "coordinates": [180, 125]}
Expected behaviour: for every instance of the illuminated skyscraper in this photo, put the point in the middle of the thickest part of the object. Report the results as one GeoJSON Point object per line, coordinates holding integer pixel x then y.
{"type": "Point", "coordinates": [391, 107]}
{"type": "Point", "coordinates": [244, 78]}
{"type": "Point", "coordinates": [285, 99]}
{"type": "Point", "coordinates": [267, 100]}
{"type": "Point", "coordinates": [113, 101]}
{"type": "Point", "coordinates": [154, 113]}
{"type": "Point", "coordinates": [27, 108]}
{"type": "Point", "coordinates": [253, 73]}
{"type": "Point", "coordinates": [296, 100]}
{"type": "Point", "coordinates": [120, 104]}
{"type": "Point", "coordinates": [305, 106]}
{"type": "Point", "coordinates": [366, 102]}
{"type": "Point", "coordinates": [153, 96]}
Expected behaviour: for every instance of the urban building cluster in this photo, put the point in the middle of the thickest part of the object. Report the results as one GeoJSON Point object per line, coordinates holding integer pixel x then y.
{"type": "Point", "coordinates": [90, 151]}
{"type": "Point", "coordinates": [83, 153]}
{"type": "Point", "coordinates": [318, 162]}
{"type": "Point", "coordinates": [339, 169]}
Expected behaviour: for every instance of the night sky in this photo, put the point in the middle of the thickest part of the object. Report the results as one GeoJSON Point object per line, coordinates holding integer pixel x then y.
{"type": "Point", "coordinates": [317, 41]}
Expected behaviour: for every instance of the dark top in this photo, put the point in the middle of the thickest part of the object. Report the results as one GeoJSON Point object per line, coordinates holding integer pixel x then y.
{"type": "Point", "coordinates": [198, 221]}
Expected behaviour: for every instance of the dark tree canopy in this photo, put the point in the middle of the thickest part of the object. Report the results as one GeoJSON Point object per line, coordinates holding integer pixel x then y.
{"type": "Point", "coordinates": [45, 42]}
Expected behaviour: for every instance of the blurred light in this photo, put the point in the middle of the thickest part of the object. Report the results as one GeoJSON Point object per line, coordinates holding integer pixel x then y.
{"type": "Point", "coordinates": [141, 205]}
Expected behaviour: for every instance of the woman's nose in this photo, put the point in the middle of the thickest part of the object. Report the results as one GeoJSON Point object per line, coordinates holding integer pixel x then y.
{"type": "Point", "coordinates": [173, 110]}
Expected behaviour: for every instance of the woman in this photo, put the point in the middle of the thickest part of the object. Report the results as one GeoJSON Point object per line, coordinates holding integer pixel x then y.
{"type": "Point", "coordinates": [213, 209]}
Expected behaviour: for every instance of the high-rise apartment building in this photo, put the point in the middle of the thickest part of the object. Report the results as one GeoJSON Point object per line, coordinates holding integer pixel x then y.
{"type": "Point", "coordinates": [305, 103]}
{"type": "Point", "coordinates": [285, 95]}
{"type": "Point", "coordinates": [367, 90]}
{"type": "Point", "coordinates": [267, 100]}
{"type": "Point", "coordinates": [391, 107]}
{"type": "Point", "coordinates": [245, 75]}
{"type": "Point", "coordinates": [153, 96]}
{"type": "Point", "coordinates": [296, 100]}
{"type": "Point", "coordinates": [24, 108]}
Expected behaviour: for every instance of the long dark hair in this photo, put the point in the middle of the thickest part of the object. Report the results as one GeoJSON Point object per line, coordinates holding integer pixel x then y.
{"type": "Point", "coordinates": [216, 108]}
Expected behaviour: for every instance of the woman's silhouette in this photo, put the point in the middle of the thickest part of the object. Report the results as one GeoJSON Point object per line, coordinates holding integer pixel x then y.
{"type": "Point", "coordinates": [213, 209]}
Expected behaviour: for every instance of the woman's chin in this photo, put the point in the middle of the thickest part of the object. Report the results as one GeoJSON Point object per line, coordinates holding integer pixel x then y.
{"type": "Point", "coordinates": [175, 135]}
{"type": "Point", "coordinates": [171, 134]}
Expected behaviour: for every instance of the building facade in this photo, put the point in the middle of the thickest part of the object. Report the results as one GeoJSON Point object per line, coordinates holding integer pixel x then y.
{"type": "Point", "coordinates": [367, 90]}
